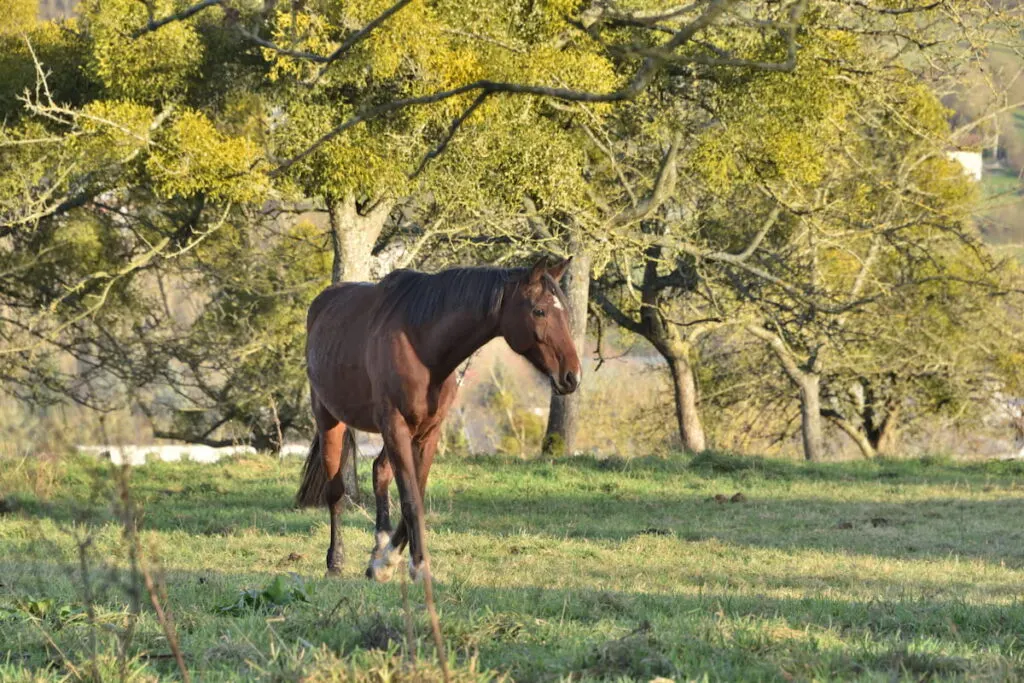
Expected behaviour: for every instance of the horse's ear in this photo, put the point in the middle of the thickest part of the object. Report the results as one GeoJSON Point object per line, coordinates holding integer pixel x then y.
{"type": "Point", "coordinates": [556, 271]}
{"type": "Point", "coordinates": [537, 272]}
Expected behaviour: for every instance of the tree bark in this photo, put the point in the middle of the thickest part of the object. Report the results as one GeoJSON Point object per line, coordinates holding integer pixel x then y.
{"type": "Point", "coordinates": [884, 438]}
{"type": "Point", "coordinates": [684, 387]}
{"type": "Point", "coordinates": [810, 416]}
{"type": "Point", "coordinates": [353, 235]}
{"type": "Point", "coordinates": [808, 382]}
{"type": "Point", "coordinates": [563, 417]}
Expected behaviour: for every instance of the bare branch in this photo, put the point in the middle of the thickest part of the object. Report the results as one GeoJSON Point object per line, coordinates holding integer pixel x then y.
{"type": "Point", "coordinates": [483, 86]}
{"type": "Point", "coordinates": [787, 29]}
{"type": "Point", "coordinates": [773, 217]}
{"type": "Point", "coordinates": [778, 347]}
{"type": "Point", "coordinates": [641, 18]}
{"type": "Point", "coordinates": [614, 312]}
{"type": "Point", "coordinates": [362, 33]}
{"type": "Point", "coordinates": [452, 129]}
{"type": "Point", "coordinates": [664, 185]}
{"type": "Point", "coordinates": [534, 219]}
{"type": "Point", "coordinates": [895, 10]}
{"type": "Point", "coordinates": [296, 54]}
{"type": "Point", "coordinates": [179, 16]}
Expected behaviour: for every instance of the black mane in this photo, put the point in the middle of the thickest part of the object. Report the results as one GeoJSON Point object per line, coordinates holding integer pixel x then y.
{"type": "Point", "coordinates": [422, 297]}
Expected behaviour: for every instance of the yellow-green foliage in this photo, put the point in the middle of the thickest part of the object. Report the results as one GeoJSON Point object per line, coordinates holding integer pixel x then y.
{"type": "Point", "coordinates": [432, 47]}
{"type": "Point", "coordinates": [367, 160]}
{"type": "Point", "coordinates": [515, 152]}
{"type": "Point", "coordinates": [244, 114]}
{"type": "Point", "coordinates": [154, 67]}
{"type": "Point", "coordinates": [780, 125]}
{"type": "Point", "coordinates": [303, 31]}
{"type": "Point", "coordinates": [18, 17]}
{"type": "Point", "coordinates": [83, 248]}
{"type": "Point", "coordinates": [193, 156]}
{"type": "Point", "coordinates": [112, 131]}
{"type": "Point", "coordinates": [62, 53]}
{"type": "Point", "coordinates": [522, 21]}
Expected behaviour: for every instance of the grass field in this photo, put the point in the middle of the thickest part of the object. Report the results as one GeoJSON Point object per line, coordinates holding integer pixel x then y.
{"type": "Point", "coordinates": [582, 569]}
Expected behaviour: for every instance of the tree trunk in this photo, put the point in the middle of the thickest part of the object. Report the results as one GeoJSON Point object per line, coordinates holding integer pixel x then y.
{"type": "Point", "coordinates": [684, 388]}
{"type": "Point", "coordinates": [810, 414]}
{"type": "Point", "coordinates": [664, 336]}
{"type": "Point", "coordinates": [808, 382]}
{"type": "Point", "coordinates": [861, 439]}
{"type": "Point", "coordinates": [880, 416]}
{"type": "Point", "coordinates": [353, 236]}
{"type": "Point", "coordinates": [563, 417]}
{"type": "Point", "coordinates": [884, 439]}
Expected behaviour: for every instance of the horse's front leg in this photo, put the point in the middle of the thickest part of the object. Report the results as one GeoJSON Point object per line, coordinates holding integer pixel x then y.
{"type": "Point", "coordinates": [384, 557]}
{"type": "Point", "coordinates": [398, 443]}
{"type": "Point", "coordinates": [424, 449]}
{"type": "Point", "coordinates": [382, 478]}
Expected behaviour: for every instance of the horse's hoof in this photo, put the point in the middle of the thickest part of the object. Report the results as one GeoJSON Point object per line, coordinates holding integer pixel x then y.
{"type": "Point", "coordinates": [380, 572]}
{"type": "Point", "coordinates": [416, 571]}
{"type": "Point", "coordinates": [333, 572]}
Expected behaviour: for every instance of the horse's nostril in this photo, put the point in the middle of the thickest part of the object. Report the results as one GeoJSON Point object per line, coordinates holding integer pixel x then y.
{"type": "Point", "coordinates": [571, 381]}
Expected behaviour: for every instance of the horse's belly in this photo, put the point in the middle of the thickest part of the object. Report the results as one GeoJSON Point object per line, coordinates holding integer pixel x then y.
{"type": "Point", "coordinates": [348, 399]}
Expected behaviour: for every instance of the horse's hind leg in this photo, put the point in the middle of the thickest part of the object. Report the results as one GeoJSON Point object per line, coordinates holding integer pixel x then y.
{"type": "Point", "coordinates": [332, 437]}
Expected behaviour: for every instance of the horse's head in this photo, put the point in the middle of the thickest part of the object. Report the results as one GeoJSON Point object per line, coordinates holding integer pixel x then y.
{"type": "Point", "coordinates": [535, 323]}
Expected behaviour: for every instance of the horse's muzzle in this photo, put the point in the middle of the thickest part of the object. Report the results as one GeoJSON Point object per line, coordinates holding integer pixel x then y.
{"type": "Point", "coordinates": [568, 384]}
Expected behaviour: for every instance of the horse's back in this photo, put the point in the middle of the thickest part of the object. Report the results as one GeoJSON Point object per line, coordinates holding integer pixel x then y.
{"type": "Point", "coordinates": [339, 299]}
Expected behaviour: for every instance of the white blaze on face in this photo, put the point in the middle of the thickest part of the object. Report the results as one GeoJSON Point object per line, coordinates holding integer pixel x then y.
{"type": "Point", "coordinates": [557, 304]}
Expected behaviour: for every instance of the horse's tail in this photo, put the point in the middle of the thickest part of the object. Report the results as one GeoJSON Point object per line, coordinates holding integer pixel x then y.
{"type": "Point", "coordinates": [313, 489]}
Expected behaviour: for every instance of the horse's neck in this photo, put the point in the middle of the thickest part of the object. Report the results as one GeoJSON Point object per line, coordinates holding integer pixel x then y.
{"type": "Point", "coordinates": [454, 338]}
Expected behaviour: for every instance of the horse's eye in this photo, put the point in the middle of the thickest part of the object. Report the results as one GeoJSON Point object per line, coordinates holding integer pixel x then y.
{"type": "Point", "coordinates": [538, 312]}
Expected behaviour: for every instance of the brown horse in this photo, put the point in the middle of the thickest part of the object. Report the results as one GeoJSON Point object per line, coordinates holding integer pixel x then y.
{"type": "Point", "coordinates": [381, 358]}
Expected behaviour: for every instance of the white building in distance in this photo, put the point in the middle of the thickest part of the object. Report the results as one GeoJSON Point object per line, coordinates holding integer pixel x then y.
{"type": "Point", "coordinates": [971, 161]}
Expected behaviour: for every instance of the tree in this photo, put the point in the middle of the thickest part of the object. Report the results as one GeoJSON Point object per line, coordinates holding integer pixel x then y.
{"type": "Point", "coordinates": [781, 225]}
{"type": "Point", "coordinates": [126, 154]}
{"type": "Point", "coordinates": [650, 316]}
{"type": "Point", "coordinates": [159, 146]}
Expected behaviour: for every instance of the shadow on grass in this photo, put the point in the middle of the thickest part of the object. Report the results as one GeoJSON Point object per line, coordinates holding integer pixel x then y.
{"type": "Point", "coordinates": [225, 515]}
{"type": "Point", "coordinates": [536, 633]}
{"type": "Point", "coordinates": [936, 528]}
